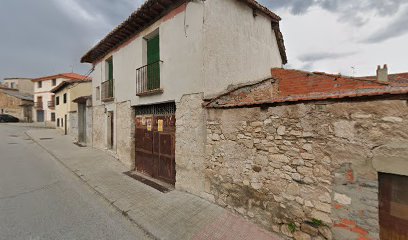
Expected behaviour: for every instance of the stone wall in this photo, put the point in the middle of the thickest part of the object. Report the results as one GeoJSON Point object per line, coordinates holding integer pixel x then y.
{"type": "Point", "coordinates": [190, 145]}
{"type": "Point", "coordinates": [99, 127]}
{"type": "Point", "coordinates": [73, 124]}
{"type": "Point", "coordinates": [11, 105]}
{"type": "Point", "coordinates": [125, 129]}
{"type": "Point", "coordinates": [89, 124]}
{"type": "Point", "coordinates": [303, 170]}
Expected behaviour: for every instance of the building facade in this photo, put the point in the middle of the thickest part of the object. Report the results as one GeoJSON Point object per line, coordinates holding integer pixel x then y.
{"type": "Point", "coordinates": [147, 91]}
{"type": "Point", "coordinates": [24, 85]}
{"type": "Point", "coordinates": [66, 111]}
{"type": "Point", "coordinates": [44, 102]}
{"type": "Point", "coordinates": [16, 103]}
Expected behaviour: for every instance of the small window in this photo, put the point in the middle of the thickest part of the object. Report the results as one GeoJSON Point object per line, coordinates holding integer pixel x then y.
{"type": "Point", "coordinates": [54, 82]}
{"type": "Point", "coordinates": [62, 122]}
{"type": "Point", "coordinates": [65, 98]}
{"type": "Point", "coordinates": [57, 101]}
{"type": "Point", "coordinates": [12, 85]}
{"type": "Point", "coordinates": [98, 93]}
{"type": "Point", "coordinates": [109, 69]}
{"type": "Point", "coordinates": [58, 122]}
{"type": "Point", "coordinates": [39, 84]}
{"type": "Point", "coordinates": [52, 117]}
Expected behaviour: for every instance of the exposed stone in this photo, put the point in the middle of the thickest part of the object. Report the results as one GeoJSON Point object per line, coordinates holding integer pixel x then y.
{"type": "Point", "coordinates": [309, 229]}
{"type": "Point", "coordinates": [324, 207]}
{"type": "Point", "coordinates": [324, 217]}
{"type": "Point", "coordinates": [285, 230]}
{"type": "Point", "coordinates": [326, 232]}
{"type": "Point", "coordinates": [301, 236]}
{"type": "Point", "coordinates": [325, 198]}
{"type": "Point", "coordinates": [342, 199]}
{"type": "Point", "coordinates": [281, 130]}
{"type": "Point", "coordinates": [344, 129]}
{"type": "Point", "coordinates": [392, 119]}
{"type": "Point", "coordinates": [307, 156]}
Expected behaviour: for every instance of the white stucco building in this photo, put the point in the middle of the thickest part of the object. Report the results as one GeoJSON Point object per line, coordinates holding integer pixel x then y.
{"type": "Point", "coordinates": [44, 101]}
{"type": "Point", "coordinates": [152, 72]}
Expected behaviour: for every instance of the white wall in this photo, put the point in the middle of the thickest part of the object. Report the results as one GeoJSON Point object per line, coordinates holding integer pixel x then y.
{"type": "Point", "coordinates": [181, 52]}
{"type": "Point", "coordinates": [238, 47]}
{"type": "Point", "coordinates": [220, 43]}
{"type": "Point", "coordinates": [44, 91]}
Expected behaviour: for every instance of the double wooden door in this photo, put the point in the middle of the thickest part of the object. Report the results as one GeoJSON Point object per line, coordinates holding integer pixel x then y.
{"type": "Point", "coordinates": [155, 146]}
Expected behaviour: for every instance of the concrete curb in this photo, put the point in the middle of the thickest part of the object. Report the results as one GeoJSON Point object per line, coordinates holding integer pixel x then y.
{"type": "Point", "coordinates": [94, 189]}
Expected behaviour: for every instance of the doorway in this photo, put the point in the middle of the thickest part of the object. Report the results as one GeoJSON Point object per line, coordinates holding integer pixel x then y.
{"type": "Point", "coordinates": [40, 115]}
{"type": "Point", "coordinates": [110, 130]}
{"type": "Point", "coordinates": [82, 123]}
{"type": "Point", "coordinates": [393, 200]}
{"type": "Point", "coordinates": [155, 140]}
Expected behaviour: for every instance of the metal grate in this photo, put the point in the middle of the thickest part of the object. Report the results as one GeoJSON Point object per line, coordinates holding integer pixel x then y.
{"type": "Point", "coordinates": [157, 109]}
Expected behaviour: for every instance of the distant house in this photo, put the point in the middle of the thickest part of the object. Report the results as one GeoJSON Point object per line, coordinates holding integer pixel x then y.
{"type": "Point", "coordinates": [152, 72]}
{"type": "Point", "coordinates": [15, 103]}
{"type": "Point", "coordinates": [24, 85]}
{"type": "Point", "coordinates": [66, 111]}
{"type": "Point", "coordinates": [44, 102]}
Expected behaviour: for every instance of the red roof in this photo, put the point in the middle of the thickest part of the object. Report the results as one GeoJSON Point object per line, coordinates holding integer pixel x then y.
{"type": "Point", "coordinates": [295, 85]}
{"type": "Point", "coordinates": [70, 76]}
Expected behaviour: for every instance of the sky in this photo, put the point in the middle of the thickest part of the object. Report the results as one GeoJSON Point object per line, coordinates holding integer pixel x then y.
{"type": "Point", "coordinates": [351, 37]}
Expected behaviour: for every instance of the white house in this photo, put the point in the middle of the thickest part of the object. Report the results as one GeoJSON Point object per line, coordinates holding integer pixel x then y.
{"type": "Point", "coordinates": [44, 101]}
{"type": "Point", "coordinates": [152, 72]}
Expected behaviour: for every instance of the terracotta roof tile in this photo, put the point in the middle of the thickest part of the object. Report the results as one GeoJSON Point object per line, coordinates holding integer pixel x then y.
{"type": "Point", "coordinates": [70, 76]}
{"type": "Point", "coordinates": [296, 85]}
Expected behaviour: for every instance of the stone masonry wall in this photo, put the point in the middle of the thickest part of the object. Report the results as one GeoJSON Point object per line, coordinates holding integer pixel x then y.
{"type": "Point", "coordinates": [73, 124]}
{"type": "Point", "coordinates": [98, 127]}
{"type": "Point", "coordinates": [304, 170]}
{"type": "Point", "coordinates": [190, 144]}
{"type": "Point", "coordinates": [125, 141]}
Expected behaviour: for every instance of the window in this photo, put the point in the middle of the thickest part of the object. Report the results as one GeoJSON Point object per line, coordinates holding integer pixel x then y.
{"type": "Point", "coordinates": [109, 69]}
{"type": "Point", "coordinates": [52, 117]}
{"type": "Point", "coordinates": [98, 93]}
{"type": "Point", "coordinates": [39, 84]}
{"type": "Point", "coordinates": [58, 122]}
{"type": "Point", "coordinates": [12, 85]}
{"type": "Point", "coordinates": [57, 101]}
{"type": "Point", "coordinates": [54, 82]}
{"type": "Point", "coordinates": [62, 122]}
{"type": "Point", "coordinates": [65, 98]}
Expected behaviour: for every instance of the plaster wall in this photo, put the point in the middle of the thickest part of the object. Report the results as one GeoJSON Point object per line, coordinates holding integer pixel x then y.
{"type": "Point", "coordinates": [181, 53]}
{"type": "Point", "coordinates": [238, 47]}
{"type": "Point", "coordinates": [47, 96]}
{"type": "Point", "coordinates": [23, 85]}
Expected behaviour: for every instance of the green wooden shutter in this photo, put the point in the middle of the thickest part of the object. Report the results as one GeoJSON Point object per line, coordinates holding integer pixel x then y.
{"type": "Point", "coordinates": [153, 61]}
{"type": "Point", "coordinates": [110, 69]}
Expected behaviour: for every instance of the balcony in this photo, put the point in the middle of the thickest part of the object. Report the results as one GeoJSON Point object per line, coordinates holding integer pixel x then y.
{"type": "Point", "coordinates": [107, 91]}
{"type": "Point", "coordinates": [148, 79]}
{"type": "Point", "coordinates": [38, 105]}
{"type": "Point", "coordinates": [51, 104]}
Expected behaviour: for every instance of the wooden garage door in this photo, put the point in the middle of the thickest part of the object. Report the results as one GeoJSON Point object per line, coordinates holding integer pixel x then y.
{"type": "Point", "coordinates": [155, 144]}
{"type": "Point", "coordinates": [393, 196]}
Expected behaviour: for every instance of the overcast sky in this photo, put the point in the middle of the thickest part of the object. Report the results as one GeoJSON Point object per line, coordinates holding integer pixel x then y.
{"type": "Point", "coordinates": [43, 37]}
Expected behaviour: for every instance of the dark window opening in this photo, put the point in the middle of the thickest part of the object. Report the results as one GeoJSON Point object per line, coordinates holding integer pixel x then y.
{"type": "Point", "coordinates": [65, 98]}
{"type": "Point", "coordinates": [52, 117]}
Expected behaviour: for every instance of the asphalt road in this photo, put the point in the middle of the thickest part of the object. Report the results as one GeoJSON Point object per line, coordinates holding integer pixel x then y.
{"type": "Point", "coordinates": [40, 199]}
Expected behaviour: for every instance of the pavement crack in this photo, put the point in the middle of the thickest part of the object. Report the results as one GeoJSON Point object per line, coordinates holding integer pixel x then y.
{"type": "Point", "coordinates": [31, 191]}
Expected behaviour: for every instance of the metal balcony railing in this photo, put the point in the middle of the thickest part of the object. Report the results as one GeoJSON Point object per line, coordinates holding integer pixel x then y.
{"type": "Point", "coordinates": [38, 105]}
{"type": "Point", "coordinates": [148, 78]}
{"type": "Point", "coordinates": [107, 90]}
{"type": "Point", "coordinates": [51, 104]}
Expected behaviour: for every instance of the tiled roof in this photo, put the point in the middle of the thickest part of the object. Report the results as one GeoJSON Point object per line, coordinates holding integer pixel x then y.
{"type": "Point", "coordinates": [71, 76]}
{"type": "Point", "coordinates": [63, 84]}
{"type": "Point", "coordinates": [296, 86]}
{"type": "Point", "coordinates": [19, 95]}
{"type": "Point", "coordinates": [153, 10]}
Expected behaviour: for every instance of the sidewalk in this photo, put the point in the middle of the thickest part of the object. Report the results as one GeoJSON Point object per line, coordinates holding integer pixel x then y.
{"type": "Point", "coordinates": [173, 215]}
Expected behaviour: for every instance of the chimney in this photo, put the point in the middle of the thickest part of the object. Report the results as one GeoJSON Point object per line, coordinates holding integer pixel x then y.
{"type": "Point", "coordinates": [382, 73]}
